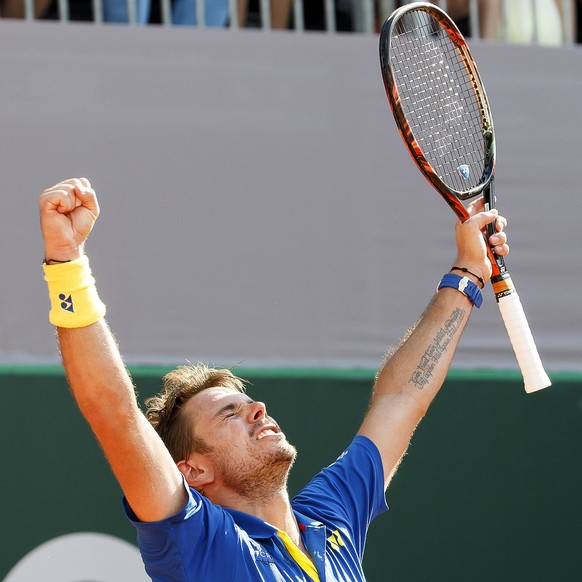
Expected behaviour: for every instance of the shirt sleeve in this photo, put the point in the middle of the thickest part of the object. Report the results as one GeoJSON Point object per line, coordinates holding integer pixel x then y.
{"type": "Point", "coordinates": [181, 547]}
{"type": "Point", "coordinates": [349, 493]}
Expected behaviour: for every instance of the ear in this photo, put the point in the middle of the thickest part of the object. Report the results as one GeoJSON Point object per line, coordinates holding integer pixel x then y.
{"type": "Point", "coordinates": [197, 470]}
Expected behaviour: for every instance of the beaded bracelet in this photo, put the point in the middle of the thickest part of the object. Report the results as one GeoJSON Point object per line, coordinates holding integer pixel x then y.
{"type": "Point", "coordinates": [480, 279]}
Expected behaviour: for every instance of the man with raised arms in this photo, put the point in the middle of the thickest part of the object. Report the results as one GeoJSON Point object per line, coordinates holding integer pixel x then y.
{"type": "Point", "coordinates": [204, 470]}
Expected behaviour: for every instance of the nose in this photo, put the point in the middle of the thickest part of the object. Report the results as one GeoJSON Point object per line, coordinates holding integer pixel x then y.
{"type": "Point", "coordinates": [256, 411]}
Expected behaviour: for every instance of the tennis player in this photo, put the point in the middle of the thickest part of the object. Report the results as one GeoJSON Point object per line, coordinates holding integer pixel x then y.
{"type": "Point", "coordinates": [204, 473]}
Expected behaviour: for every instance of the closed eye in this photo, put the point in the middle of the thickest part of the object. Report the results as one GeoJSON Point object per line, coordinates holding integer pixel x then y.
{"type": "Point", "coordinates": [232, 409]}
{"type": "Point", "coordinates": [228, 413]}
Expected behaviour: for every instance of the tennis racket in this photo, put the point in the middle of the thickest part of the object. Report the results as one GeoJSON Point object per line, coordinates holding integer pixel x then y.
{"type": "Point", "coordinates": [442, 113]}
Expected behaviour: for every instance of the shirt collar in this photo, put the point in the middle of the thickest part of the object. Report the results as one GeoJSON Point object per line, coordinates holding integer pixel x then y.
{"type": "Point", "coordinates": [259, 529]}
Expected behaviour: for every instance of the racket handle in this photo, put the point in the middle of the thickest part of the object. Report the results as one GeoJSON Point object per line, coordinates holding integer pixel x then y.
{"type": "Point", "coordinates": [530, 364]}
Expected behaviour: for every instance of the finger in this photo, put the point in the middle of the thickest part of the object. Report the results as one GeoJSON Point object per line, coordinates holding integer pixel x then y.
{"type": "Point", "coordinates": [499, 238]}
{"type": "Point", "coordinates": [60, 198]}
{"type": "Point", "coordinates": [501, 250]}
{"type": "Point", "coordinates": [69, 194]}
{"type": "Point", "coordinates": [88, 198]}
{"type": "Point", "coordinates": [476, 206]}
{"type": "Point", "coordinates": [498, 243]}
{"type": "Point", "coordinates": [65, 184]}
{"type": "Point", "coordinates": [482, 219]}
{"type": "Point", "coordinates": [501, 223]}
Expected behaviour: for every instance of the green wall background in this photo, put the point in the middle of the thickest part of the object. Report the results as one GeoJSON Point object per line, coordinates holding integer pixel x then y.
{"type": "Point", "coordinates": [490, 489]}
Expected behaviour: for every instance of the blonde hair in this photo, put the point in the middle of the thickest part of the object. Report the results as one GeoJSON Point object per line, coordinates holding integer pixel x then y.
{"type": "Point", "coordinates": [165, 411]}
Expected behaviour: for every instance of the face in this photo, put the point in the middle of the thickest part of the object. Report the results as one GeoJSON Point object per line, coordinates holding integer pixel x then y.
{"type": "Point", "coordinates": [250, 453]}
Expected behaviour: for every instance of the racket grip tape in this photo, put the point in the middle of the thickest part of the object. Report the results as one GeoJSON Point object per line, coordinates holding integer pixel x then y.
{"type": "Point", "coordinates": [520, 336]}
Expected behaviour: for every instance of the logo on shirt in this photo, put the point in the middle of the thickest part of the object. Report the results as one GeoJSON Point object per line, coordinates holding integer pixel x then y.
{"type": "Point", "coordinates": [261, 555]}
{"type": "Point", "coordinates": [335, 540]}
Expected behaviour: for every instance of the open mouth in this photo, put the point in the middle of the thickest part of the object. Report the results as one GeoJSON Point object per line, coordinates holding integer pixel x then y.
{"type": "Point", "coordinates": [265, 431]}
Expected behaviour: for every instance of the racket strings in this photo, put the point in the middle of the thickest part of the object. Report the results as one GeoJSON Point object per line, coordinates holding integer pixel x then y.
{"type": "Point", "coordinates": [438, 97]}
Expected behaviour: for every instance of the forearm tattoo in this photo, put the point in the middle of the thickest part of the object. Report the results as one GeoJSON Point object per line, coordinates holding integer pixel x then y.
{"type": "Point", "coordinates": [429, 360]}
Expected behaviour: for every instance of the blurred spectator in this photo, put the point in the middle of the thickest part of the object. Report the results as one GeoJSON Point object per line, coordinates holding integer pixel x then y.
{"type": "Point", "coordinates": [489, 17]}
{"type": "Point", "coordinates": [117, 11]}
{"type": "Point", "coordinates": [249, 13]}
{"type": "Point", "coordinates": [15, 8]}
{"type": "Point", "coordinates": [315, 17]}
{"type": "Point", "coordinates": [183, 12]}
{"type": "Point", "coordinates": [574, 7]}
{"type": "Point", "coordinates": [534, 21]}
{"type": "Point", "coordinates": [519, 21]}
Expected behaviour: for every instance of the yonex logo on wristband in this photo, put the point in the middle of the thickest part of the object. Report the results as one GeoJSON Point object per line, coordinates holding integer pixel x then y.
{"type": "Point", "coordinates": [66, 303]}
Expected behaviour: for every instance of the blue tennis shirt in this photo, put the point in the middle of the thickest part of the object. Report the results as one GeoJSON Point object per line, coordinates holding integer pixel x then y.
{"type": "Point", "coordinates": [208, 543]}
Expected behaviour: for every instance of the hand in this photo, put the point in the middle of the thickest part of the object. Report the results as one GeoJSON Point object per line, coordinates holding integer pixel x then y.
{"type": "Point", "coordinates": [471, 246]}
{"type": "Point", "coordinates": [68, 211]}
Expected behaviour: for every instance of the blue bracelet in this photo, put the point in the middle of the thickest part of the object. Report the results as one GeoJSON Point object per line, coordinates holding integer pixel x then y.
{"type": "Point", "coordinates": [464, 285]}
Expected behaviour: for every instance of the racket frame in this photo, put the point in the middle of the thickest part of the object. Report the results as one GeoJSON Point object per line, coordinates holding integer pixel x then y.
{"type": "Point", "coordinates": [508, 301]}
{"type": "Point", "coordinates": [451, 196]}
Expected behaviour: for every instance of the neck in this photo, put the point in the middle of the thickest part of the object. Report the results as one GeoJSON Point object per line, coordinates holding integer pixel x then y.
{"type": "Point", "coordinates": [274, 509]}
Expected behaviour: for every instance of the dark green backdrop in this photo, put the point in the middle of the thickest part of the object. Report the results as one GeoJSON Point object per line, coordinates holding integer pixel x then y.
{"type": "Point", "coordinates": [490, 489]}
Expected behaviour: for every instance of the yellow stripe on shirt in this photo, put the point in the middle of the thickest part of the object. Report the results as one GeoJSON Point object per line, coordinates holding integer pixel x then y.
{"type": "Point", "coordinates": [302, 560]}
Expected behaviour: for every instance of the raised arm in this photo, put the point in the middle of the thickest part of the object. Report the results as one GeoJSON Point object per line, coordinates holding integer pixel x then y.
{"type": "Point", "coordinates": [95, 371]}
{"type": "Point", "coordinates": [411, 377]}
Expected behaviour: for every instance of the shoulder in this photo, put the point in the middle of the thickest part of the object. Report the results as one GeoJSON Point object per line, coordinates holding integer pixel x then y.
{"type": "Point", "coordinates": [196, 509]}
{"type": "Point", "coordinates": [361, 454]}
{"type": "Point", "coordinates": [354, 482]}
{"type": "Point", "coordinates": [176, 545]}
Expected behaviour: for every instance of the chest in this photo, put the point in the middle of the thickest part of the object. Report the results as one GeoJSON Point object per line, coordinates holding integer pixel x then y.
{"type": "Point", "coordinates": [332, 555]}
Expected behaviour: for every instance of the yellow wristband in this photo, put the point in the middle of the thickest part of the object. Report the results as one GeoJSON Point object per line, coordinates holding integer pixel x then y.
{"type": "Point", "coordinates": [73, 295]}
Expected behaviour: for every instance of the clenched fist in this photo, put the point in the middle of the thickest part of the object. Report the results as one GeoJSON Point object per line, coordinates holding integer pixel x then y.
{"type": "Point", "coordinates": [68, 211]}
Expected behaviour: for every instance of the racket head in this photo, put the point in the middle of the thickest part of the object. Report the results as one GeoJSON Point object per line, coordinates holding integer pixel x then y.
{"type": "Point", "coordinates": [438, 101]}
